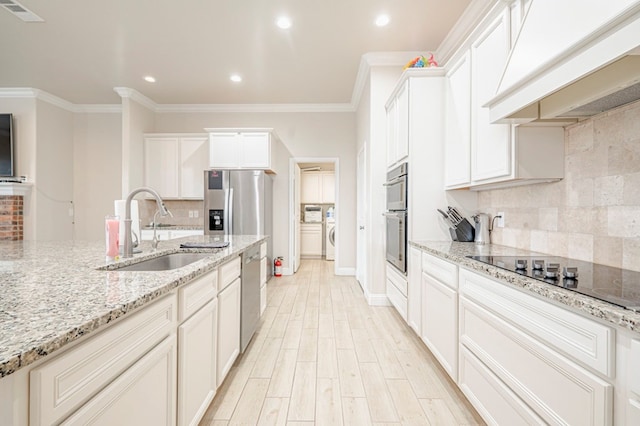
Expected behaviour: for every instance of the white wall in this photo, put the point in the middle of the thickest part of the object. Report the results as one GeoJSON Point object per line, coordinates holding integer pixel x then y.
{"type": "Point", "coordinates": [24, 121]}
{"type": "Point", "coordinates": [97, 170]}
{"type": "Point", "coordinates": [305, 135]}
{"type": "Point", "coordinates": [136, 121]}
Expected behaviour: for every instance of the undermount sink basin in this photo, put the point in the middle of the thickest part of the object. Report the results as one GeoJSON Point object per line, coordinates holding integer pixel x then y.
{"type": "Point", "coordinates": [166, 262]}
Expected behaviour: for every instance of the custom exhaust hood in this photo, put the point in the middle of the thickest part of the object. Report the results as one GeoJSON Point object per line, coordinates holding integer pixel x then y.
{"type": "Point", "coordinates": [562, 69]}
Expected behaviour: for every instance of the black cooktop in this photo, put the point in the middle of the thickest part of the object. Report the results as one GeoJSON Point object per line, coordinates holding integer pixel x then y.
{"type": "Point", "coordinates": [614, 285]}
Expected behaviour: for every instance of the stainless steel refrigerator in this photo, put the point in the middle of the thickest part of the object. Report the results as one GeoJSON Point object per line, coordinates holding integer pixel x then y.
{"type": "Point", "coordinates": [239, 202]}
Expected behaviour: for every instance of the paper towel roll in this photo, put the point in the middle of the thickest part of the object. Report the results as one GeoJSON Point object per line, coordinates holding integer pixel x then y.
{"type": "Point", "coordinates": [119, 206]}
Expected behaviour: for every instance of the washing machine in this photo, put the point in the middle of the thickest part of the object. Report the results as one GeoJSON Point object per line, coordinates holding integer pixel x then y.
{"type": "Point", "coordinates": [330, 236]}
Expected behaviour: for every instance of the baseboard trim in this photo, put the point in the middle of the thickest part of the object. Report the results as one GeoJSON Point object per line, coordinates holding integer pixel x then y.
{"type": "Point", "coordinates": [346, 271]}
{"type": "Point", "coordinates": [377, 299]}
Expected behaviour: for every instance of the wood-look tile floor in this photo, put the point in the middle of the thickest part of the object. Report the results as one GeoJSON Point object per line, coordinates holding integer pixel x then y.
{"type": "Point", "coordinates": [323, 356]}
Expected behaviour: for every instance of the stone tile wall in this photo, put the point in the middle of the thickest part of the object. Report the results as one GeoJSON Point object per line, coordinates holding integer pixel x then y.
{"type": "Point", "coordinates": [179, 208]}
{"type": "Point", "coordinates": [592, 214]}
{"type": "Point", "coordinates": [11, 217]}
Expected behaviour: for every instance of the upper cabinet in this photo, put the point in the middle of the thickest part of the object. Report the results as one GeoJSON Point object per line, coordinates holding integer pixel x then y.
{"type": "Point", "coordinates": [479, 154]}
{"type": "Point", "coordinates": [242, 148]}
{"type": "Point", "coordinates": [318, 187]}
{"type": "Point", "coordinates": [398, 126]}
{"type": "Point", "coordinates": [173, 164]}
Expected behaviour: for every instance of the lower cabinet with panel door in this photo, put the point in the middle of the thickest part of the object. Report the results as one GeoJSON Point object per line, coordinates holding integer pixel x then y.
{"type": "Point", "coordinates": [229, 299]}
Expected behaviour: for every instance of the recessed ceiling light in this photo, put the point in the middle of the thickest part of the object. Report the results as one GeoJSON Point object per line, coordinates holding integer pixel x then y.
{"type": "Point", "coordinates": [235, 78]}
{"type": "Point", "coordinates": [382, 20]}
{"type": "Point", "coordinates": [149, 79]}
{"type": "Point", "coordinates": [283, 22]}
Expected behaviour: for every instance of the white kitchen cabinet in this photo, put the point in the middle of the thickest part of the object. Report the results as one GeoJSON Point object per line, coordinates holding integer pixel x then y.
{"type": "Point", "coordinates": [264, 273]}
{"type": "Point", "coordinates": [311, 239]}
{"type": "Point", "coordinates": [490, 143]}
{"type": "Point", "coordinates": [197, 345]}
{"type": "Point", "coordinates": [241, 149]}
{"type": "Point", "coordinates": [516, 335]}
{"type": "Point", "coordinates": [174, 164]}
{"type": "Point", "coordinates": [228, 317]}
{"type": "Point", "coordinates": [398, 126]}
{"type": "Point", "coordinates": [144, 394]}
{"type": "Point", "coordinates": [161, 165]}
{"type": "Point", "coordinates": [197, 363]}
{"type": "Point", "coordinates": [458, 123]}
{"type": "Point", "coordinates": [440, 311]}
{"type": "Point", "coordinates": [414, 290]}
{"type": "Point", "coordinates": [397, 290]}
{"type": "Point", "coordinates": [317, 187]}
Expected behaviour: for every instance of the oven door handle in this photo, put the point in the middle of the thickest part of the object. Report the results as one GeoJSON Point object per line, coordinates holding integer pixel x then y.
{"type": "Point", "coordinates": [395, 181]}
{"type": "Point", "coordinates": [398, 215]}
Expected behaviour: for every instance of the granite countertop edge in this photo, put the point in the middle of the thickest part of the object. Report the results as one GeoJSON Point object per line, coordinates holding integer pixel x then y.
{"type": "Point", "coordinates": [38, 347]}
{"type": "Point", "coordinates": [457, 252]}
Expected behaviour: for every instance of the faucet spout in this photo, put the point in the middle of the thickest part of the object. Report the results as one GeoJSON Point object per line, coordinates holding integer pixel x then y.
{"type": "Point", "coordinates": [128, 246]}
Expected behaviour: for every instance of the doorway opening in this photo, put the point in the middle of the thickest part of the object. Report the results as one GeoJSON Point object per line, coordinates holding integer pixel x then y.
{"type": "Point", "coordinates": [314, 210]}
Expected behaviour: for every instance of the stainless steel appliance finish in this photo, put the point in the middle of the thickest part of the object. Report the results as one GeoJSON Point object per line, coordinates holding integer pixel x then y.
{"type": "Point", "coordinates": [396, 218]}
{"type": "Point", "coordinates": [250, 295]}
{"type": "Point", "coordinates": [239, 202]}
{"type": "Point", "coordinates": [614, 285]}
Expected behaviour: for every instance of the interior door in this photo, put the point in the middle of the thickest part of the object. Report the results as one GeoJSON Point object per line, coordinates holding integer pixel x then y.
{"type": "Point", "coordinates": [361, 256]}
{"type": "Point", "coordinates": [296, 217]}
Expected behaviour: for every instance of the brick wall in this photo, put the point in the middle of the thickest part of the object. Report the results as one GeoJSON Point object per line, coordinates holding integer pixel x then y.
{"type": "Point", "coordinates": [11, 213]}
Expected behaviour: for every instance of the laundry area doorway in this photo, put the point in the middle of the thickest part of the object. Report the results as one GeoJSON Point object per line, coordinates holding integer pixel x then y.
{"type": "Point", "coordinates": [314, 209]}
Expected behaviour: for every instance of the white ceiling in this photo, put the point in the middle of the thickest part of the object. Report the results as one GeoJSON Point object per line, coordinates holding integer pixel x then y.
{"type": "Point", "coordinates": [85, 48]}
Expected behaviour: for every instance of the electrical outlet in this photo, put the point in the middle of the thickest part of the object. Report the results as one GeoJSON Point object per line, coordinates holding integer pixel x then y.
{"type": "Point", "coordinates": [191, 214]}
{"type": "Point", "coordinates": [500, 220]}
{"type": "Point", "coordinates": [196, 214]}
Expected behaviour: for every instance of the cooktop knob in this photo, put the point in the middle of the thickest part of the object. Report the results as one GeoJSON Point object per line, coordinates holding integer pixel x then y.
{"type": "Point", "coordinates": [570, 272]}
{"type": "Point", "coordinates": [521, 264]}
{"type": "Point", "coordinates": [552, 270]}
{"type": "Point", "coordinates": [538, 264]}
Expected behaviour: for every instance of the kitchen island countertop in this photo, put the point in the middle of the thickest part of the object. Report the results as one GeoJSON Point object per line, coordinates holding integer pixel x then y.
{"type": "Point", "coordinates": [53, 292]}
{"type": "Point", "coordinates": [457, 253]}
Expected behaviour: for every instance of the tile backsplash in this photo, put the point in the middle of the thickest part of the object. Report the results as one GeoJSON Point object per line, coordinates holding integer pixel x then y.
{"type": "Point", "coordinates": [593, 214]}
{"type": "Point", "coordinates": [179, 208]}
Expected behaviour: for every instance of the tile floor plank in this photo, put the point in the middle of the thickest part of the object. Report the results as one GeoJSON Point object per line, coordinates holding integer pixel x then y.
{"type": "Point", "coordinates": [282, 377]}
{"type": "Point", "coordinates": [349, 373]}
{"type": "Point", "coordinates": [378, 396]}
{"type": "Point", "coordinates": [328, 402]}
{"type": "Point", "coordinates": [274, 412]}
{"type": "Point", "coordinates": [302, 404]}
{"type": "Point", "coordinates": [438, 412]}
{"type": "Point", "coordinates": [248, 409]}
{"type": "Point", "coordinates": [407, 405]}
{"type": "Point", "coordinates": [355, 411]}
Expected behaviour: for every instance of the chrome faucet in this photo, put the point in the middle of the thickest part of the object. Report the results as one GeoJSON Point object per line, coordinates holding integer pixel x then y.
{"type": "Point", "coordinates": [154, 242]}
{"type": "Point", "coordinates": [128, 246]}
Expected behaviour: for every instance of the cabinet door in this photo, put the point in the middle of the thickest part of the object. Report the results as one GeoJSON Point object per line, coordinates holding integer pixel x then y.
{"type": "Point", "coordinates": [402, 138]}
{"type": "Point", "coordinates": [328, 188]}
{"type": "Point", "coordinates": [255, 151]}
{"type": "Point", "coordinates": [197, 363]}
{"type": "Point", "coordinates": [224, 150]}
{"type": "Point", "coordinates": [490, 143]}
{"type": "Point", "coordinates": [458, 123]}
{"type": "Point", "coordinates": [144, 394]}
{"type": "Point", "coordinates": [194, 154]}
{"type": "Point", "coordinates": [311, 240]}
{"type": "Point", "coordinates": [392, 120]}
{"type": "Point", "coordinates": [414, 294]}
{"type": "Point", "coordinates": [310, 188]}
{"type": "Point", "coordinates": [228, 329]}
{"type": "Point", "coordinates": [161, 166]}
{"type": "Point", "coordinates": [440, 323]}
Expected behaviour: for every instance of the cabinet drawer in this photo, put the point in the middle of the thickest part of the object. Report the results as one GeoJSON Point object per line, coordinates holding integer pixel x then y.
{"type": "Point", "coordinates": [398, 280]}
{"type": "Point", "coordinates": [62, 384]}
{"type": "Point", "coordinates": [263, 249]}
{"type": "Point", "coordinates": [534, 372]}
{"type": "Point", "coordinates": [445, 272]}
{"type": "Point", "coordinates": [196, 294]}
{"type": "Point", "coordinates": [588, 342]}
{"type": "Point", "coordinates": [397, 299]}
{"type": "Point", "coordinates": [495, 402]}
{"type": "Point", "coordinates": [229, 272]}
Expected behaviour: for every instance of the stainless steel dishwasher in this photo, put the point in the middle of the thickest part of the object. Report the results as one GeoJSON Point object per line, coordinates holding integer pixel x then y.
{"type": "Point", "coordinates": [250, 294]}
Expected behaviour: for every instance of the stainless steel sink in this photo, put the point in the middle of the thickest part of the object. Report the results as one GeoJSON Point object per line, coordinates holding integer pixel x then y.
{"type": "Point", "coordinates": [165, 262]}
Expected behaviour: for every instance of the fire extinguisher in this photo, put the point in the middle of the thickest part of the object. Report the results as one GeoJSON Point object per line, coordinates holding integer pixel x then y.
{"type": "Point", "coordinates": [277, 267]}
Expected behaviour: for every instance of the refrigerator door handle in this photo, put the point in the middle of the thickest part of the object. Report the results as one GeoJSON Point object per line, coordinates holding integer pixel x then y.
{"type": "Point", "coordinates": [230, 210]}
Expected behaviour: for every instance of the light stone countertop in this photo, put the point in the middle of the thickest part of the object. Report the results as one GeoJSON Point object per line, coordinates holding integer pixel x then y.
{"type": "Point", "coordinates": [51, 293]}
{"type": "Point", "coordinates": [456, 252]}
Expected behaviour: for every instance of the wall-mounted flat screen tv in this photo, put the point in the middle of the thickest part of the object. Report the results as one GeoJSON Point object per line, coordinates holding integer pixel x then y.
{"type": "Point", "coordinates": [6, 145]}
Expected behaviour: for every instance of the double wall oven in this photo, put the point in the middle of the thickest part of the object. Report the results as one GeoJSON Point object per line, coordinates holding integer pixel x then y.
{"type": "Point", "coordinates": [396, 217]}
